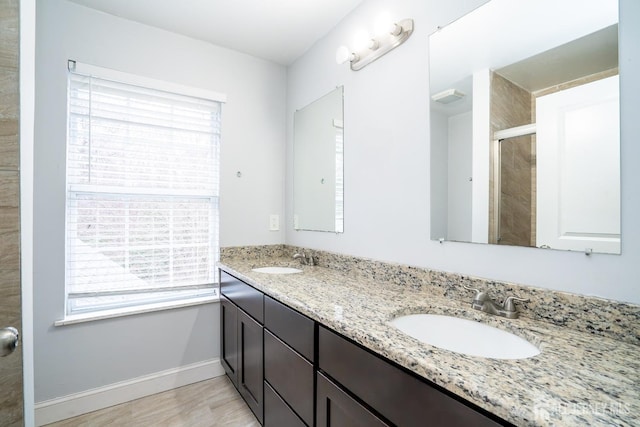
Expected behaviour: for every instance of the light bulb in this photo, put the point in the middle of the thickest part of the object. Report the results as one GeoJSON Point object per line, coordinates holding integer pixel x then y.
{"type": "Point", "coordinates": [396, 29]}
{"type": "Point", "coordinates": [343, 55]}
{"type": "Point", "coordinates": [373, 44]}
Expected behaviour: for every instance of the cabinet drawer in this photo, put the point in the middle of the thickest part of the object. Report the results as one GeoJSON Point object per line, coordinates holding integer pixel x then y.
{"type": "Point", "coordinates": [337, 409]}
{"type": "Point", "coordinates": [398, 396]}
{"type": "Point", "coordinates": [295, 329]}
{"type": "Point", "coordinates": [276, 411]}
{"type": "Point", "coordinates": [290, 374]}
{"type": "Point", "coordinates": [244, 296]}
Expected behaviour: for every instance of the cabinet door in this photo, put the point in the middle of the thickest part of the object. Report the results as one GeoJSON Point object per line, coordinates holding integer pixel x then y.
{"type": "Point", "coordinates": [335, 408]}
{"type": "Point", "coordinates": [229, 338]}
{"type": "Point", "coordinates": [250, 363]}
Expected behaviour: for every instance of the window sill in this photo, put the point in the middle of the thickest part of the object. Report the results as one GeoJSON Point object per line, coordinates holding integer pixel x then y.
{"type": "Point", "coordinates": [128, 311]}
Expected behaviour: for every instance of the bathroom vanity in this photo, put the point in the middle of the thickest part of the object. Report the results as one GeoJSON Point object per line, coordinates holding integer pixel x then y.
{"type": "Point", "coordinates": [318, 348]}
{"type": "Point", "coordinates": [310, 369]}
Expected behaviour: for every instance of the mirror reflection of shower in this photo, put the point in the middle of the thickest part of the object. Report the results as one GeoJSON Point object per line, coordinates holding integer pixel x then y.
{"type": "Point", "coordinates": [514, 200]}
{"type": "Point", "coordinates": [554, 182]}
{"type": "Point", "coordinates": [562, 77]}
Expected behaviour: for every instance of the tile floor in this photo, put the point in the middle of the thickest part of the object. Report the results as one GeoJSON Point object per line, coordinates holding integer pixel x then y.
{"type": "Point", "coordinates": [208, 403]}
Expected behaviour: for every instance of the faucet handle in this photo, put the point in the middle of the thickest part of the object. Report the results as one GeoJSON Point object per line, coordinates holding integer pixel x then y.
{"type": "Point", "coordinates": [469, 288]}
{"type": "Point", "coordinates": [509, 303]}
{"type": "Point", "coordinates": [480, 296]}
{"type": "Point", "coordinates": [311, 260]}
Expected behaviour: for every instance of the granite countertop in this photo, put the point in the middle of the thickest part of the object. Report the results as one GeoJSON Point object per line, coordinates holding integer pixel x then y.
{"type": "Point", "coordinates": [577, 379]}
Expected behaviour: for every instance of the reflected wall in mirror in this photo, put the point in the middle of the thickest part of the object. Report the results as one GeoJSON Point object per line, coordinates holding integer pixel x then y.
{"type": "Point", "coordinates": [525, 144]}
{"type": "Point", "coordinates": [318, 186]}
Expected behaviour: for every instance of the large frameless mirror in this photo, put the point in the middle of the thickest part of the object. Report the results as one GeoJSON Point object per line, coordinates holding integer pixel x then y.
{"type": "Point", "coordinates": [525, 127]}
{"type": "Point", "coordinates": [318, 186]}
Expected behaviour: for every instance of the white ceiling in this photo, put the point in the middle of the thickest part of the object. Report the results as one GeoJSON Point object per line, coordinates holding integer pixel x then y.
{"type": "Point", "coordinates": [593, 53]}
{"type": "Point", "coordinates": [501, 32]}
{"type": "Point", "coordinates": [276, 30]}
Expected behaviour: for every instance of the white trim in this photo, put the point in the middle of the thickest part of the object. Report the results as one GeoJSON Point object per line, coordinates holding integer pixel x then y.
{"type": "Point", "coordinates": [515, 132]}
{"type": "Point", "coordinates": [27, 117]}
{"type": "Point", "coordinates": [132, 191]}
{"type": "Point", "coordinates": [84, 402]}
{"type": "Point", "coordinates": [137, 309]}
{"type": "Point", "coordinates": [132, 79]}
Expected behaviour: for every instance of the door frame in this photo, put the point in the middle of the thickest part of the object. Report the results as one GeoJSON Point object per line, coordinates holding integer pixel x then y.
{"type": "Point", "coordinates": [27, 119]}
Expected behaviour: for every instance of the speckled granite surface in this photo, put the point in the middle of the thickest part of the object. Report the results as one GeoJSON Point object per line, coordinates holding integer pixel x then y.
{"type": "Point", "coordinates": [588, 372]}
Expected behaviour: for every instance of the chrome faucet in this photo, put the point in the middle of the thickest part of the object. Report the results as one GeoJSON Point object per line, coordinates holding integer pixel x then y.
{"type": "Point", "coordinates": [483, 302]}
{"type": "Point", "coordinates": [304, 259]}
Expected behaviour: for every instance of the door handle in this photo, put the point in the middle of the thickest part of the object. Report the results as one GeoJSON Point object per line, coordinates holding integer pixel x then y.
{"type": "Point", "coordinates": [9, 339]}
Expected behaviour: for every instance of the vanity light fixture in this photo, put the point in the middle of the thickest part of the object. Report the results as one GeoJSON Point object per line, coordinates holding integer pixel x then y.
{"type": "Point", "coordinates": [377, 46]}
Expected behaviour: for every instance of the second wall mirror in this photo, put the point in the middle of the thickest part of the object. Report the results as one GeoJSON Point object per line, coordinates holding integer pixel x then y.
{"type": "Point", "coordinates": [318, 183]}
{"type": "Point", "coordinates": [525, 126]}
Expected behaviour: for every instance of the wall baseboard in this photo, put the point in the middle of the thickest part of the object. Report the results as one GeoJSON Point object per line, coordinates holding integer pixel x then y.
{"type": "Point", "coordinates": [53, 410]}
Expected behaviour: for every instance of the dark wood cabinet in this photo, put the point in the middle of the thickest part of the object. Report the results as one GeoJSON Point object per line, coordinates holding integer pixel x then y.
{"type": "Point", "coordinates": [289, 351]}
{"type": "Point", "coordinates": [277, 413]}
{"type": "Point", "coordinates": [250, 363]}
{"type": "Point", "coordinates": [242, 341]}
{"type": "Point", "coordinates": [396, 395]}
{"type": "Point", "coordinates": [337, 409]}
{"type": "Point", "coordinates": [229, 338]}
{"type": "Point", "coordinates": [244, 296]}
{"type": "Point", "coordinates": [290, 375]}
{"type": "Point", "coordinates": [293, 328]}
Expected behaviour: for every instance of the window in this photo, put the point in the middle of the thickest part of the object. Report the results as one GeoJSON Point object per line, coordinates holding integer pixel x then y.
{"type": "Point", "coordinates": [142, 191]}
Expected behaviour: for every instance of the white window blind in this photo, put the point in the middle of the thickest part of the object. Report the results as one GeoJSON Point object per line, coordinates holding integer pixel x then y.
{"type": "Point", "coordinates": [142, 194]}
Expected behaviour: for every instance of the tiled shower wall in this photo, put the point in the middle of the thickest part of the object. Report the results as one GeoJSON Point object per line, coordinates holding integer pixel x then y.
{"type": "Point", "coordinates": [11, 400]}
{"type": "Point", "coordinates": [510, 107]}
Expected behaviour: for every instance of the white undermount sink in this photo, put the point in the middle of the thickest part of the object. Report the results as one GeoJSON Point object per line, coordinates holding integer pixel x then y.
{"type": "Point", "coordinates": [277, 270]}
{"type": "Point", "coordinates": [465, 336]}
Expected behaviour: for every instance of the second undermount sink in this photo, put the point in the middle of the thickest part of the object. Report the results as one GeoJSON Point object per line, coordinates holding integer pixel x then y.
{"type": "Point", "coordinates": [465, 336]}
{"type": "Point", "coordinates": [277, 270]}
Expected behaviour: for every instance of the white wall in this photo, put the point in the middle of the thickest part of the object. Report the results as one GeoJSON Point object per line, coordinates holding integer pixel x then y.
{"type": "Point", "coordinates": [460, 156]}
{"type": "Point", "coordinates": [481, 156]}
{"type": "Point", "coordinates": [387, 182]}
{"type": "Point", "coordinates": [439, 163]}
{"type": "Point", "coordinates": [75, 358]}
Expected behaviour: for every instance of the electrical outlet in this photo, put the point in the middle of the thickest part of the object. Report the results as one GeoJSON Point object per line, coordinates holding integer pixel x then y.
{"type": "Point", "coordinates": [274, 222]}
